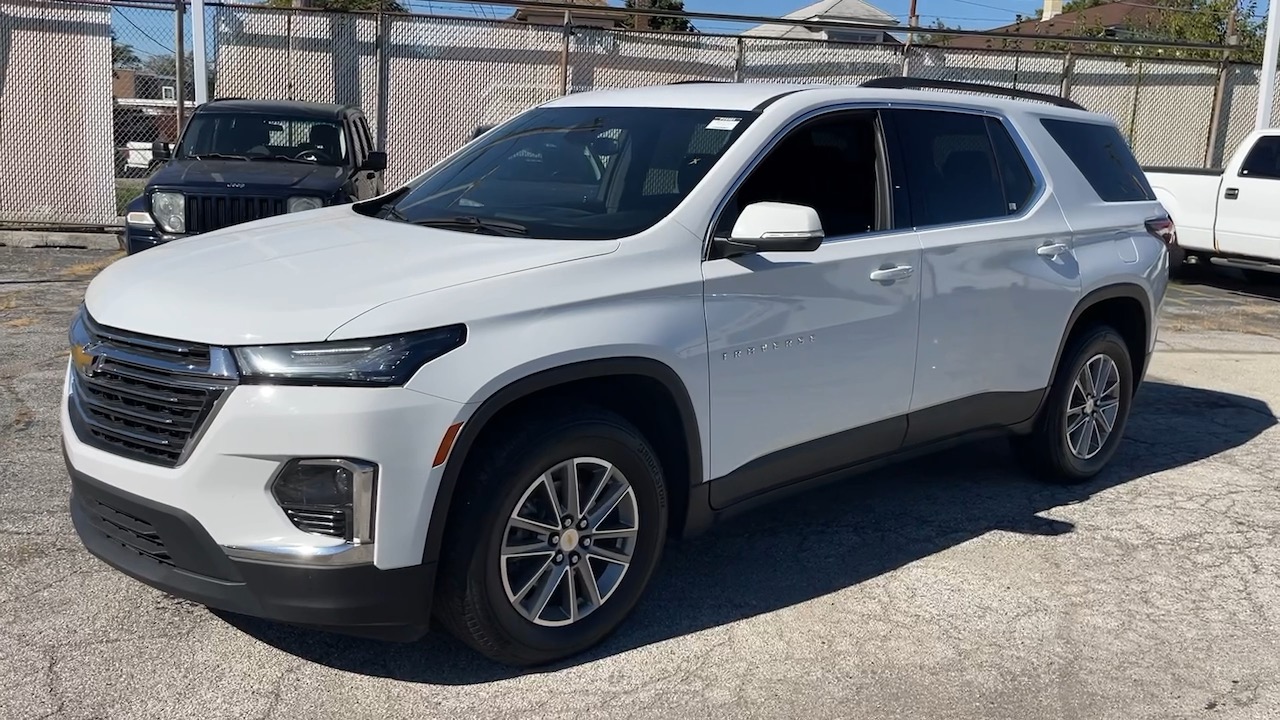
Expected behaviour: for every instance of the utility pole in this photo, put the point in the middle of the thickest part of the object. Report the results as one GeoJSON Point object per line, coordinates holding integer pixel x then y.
{"type": "Point", "coordinates": [179, 66]}
{"type": "Point", "coordinates": [914, 21]}
{"type": "Point", "coordinates": [644, 22]}
{"type": "Point", "coordinates": [1220, 92]}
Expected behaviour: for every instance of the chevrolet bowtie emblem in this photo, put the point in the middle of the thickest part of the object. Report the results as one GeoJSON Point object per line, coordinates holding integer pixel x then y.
{"type": "Point", "coordinates": [83, 358]}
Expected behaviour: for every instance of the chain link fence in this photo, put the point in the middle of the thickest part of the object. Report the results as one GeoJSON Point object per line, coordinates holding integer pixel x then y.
{"type": "Point", "coordinates": [426, 83]}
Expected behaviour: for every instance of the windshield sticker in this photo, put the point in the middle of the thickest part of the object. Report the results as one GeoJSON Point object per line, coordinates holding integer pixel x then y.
{"type": "Point", "coordinates": [724, 123]}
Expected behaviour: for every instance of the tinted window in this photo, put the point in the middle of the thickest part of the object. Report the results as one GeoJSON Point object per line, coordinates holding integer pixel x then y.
{"type": "Point", "coordinates": [1103, 157]}
{"type": "Point", "coordinates": [257, 136]}
{"type": "Point", "coordinates": [1015, 176]}
{"type": "Point", "coordinates": [950, 166]}
{"type": "Point", "coordinates": [576, 173]}
{"type": "Point", "coordinates": [829, 165]}
{"type": "Point", "coordinates": [1263, 161]}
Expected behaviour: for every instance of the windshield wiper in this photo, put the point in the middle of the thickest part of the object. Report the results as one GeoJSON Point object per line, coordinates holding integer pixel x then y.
{"type": "Point", "coordinates": [216, 156]}
{"type": "Point", "coordinates": [281, 157]}
{"type": "Point", "coordinates": [490, 227]}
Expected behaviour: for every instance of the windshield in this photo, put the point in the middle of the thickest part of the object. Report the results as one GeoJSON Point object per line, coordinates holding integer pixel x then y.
{"type": "Point", "coordinates": [573, 173]}
{"type": "Point", "coordinates": [256, 136]}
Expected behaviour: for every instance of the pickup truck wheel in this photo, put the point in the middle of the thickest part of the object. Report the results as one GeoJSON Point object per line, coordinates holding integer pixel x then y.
{"type": "Point", "coordinates": [1084, 417]}
{"type": "Point", "coordinates": [553, 538]}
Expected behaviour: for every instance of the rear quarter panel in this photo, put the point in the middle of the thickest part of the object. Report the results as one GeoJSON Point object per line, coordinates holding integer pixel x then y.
{"type": "Point", "coordinates": [1110, 241]}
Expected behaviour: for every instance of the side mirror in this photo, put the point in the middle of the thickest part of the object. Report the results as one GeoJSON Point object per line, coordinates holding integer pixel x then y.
{"type": "Point", "coordinates": [375, 162]}
{"type": "Point", "coordinates": [481, 130]}
{"type": "Point", "coordinates": [160, 150]}
{"type": "Point", "coordinates": [773, 227]}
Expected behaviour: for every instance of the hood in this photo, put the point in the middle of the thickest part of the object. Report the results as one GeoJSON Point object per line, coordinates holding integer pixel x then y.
{"type": "Point", "coordinates": [297, 278]}
{"type": "Point", "coordinates": [275, 174]}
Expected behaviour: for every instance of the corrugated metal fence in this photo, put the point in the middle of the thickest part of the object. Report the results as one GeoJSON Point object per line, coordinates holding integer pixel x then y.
{"type": "Point", "coordinates": [83, 84]}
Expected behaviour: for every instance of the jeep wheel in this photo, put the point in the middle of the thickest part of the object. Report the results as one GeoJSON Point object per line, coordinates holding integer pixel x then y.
{"type": "Point", "coordinates": [1084, 417]}
{"type": "Point", "coordinates": [555, 533]}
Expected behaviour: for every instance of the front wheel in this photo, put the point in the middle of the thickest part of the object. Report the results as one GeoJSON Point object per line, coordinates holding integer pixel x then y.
{"type": "Point", "coordinates": [1084, 417]}
{"type": "Point", "coordinates": [555, 534]}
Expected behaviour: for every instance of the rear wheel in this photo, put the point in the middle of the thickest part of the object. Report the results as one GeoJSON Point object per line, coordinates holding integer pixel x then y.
{"type": "Point", "coordinates": [555, 535]}
{"type": "Point", "coordinates": [1085, 414]}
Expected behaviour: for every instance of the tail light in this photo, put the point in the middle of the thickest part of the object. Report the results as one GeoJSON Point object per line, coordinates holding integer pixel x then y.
{"type": "Point", "coordinates": [1164, 229]}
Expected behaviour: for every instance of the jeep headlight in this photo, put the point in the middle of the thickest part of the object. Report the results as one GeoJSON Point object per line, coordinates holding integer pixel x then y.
{"type": "Point", "coordinates": [301, 203]}
{"type": "Point", "coordinates": [169, 210]}
{"type": "Point", "coordinates": [381, 361]}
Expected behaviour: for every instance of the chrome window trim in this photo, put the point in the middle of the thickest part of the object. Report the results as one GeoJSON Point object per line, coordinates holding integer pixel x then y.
{"type": "Point", "coordinates": [1040, 182]}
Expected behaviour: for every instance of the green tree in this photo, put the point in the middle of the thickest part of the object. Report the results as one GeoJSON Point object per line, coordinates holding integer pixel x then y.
{"type": "Point", "coordinates": [164, 66]}
{"type": "Point", "coordinates": [665, 24]}
{"type": "Point", "coordinates": [939, 36]}
{"type": "Point", "coordinates": [345, 5]}
{"type": "Point", "coordinates": [1192, 21]}
{"type": "Point", "coordinates": [123, 55]}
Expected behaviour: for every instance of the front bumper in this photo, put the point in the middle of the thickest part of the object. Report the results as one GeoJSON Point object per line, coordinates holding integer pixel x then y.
{"type": "Point", "coordinates": [168, 549]}
{"type": "Point", "coordinates": [140, 237]}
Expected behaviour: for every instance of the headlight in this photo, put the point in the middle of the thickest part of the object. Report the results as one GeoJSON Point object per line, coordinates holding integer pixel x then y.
{"type": "Point", "coordinates": [169, 209]}
{"type": "Point", "coordinates": [380, 361]}
{"type": "Point", "coordinates": [299, 204]}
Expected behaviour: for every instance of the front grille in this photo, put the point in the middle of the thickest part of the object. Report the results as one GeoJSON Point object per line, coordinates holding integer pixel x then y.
{"type": "Point", "coordinates": [206, 213]}
{"type": "Point", "coordinates": [326, 521]}
{"type": "Point", "coordinates": [141, 397]}
{"type": "Point", "coordinates": [131, 532]}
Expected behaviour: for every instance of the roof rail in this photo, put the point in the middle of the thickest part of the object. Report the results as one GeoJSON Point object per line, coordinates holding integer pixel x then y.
{"type": "Point", "coordinates": [696, 82]}
{"type": "Point", "coordinates": [914, 83]}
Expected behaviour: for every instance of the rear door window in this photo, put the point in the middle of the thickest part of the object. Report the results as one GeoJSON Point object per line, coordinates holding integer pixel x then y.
{"type": "Point", "coordinates": [952, 169]}
{"type": "Point", "coordinates": [1103, 157]}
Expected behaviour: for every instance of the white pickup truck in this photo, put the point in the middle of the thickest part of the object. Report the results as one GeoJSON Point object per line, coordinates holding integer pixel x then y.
{"type": "Point", "coordinates": [1227, 217]}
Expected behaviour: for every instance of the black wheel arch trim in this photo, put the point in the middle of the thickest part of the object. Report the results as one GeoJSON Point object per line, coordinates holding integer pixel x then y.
{"type": "Point", "coordinates": [1128, 290]}
{"type": "Point", "coordinates": [543, 380]}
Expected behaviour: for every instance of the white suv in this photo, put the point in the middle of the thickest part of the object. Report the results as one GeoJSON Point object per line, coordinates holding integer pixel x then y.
{"type": "Point", "coordinates": [498, 390]}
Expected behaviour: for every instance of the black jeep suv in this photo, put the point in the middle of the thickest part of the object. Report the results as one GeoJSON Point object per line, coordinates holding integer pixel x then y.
{"type": "Point", "coordinates": [242, 160]}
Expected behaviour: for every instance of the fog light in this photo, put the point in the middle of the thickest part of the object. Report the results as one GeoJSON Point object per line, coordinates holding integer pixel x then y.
{"type": "Point", "coordinates": [332, 497]}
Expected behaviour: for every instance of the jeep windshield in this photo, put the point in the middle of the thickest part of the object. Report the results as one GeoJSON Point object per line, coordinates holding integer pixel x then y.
{"type": "Point", "coordinates": [263, 136]}
{"type": "Point", "coordinates": [571, 173]}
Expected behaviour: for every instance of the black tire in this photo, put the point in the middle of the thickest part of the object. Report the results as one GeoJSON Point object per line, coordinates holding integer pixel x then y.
{"type": "Point", "coordinates": [1045, 452]}
{"type": "Point", "coordinates": [472, 602]}
{"type": "Point", "coordinates": [1178, 265]}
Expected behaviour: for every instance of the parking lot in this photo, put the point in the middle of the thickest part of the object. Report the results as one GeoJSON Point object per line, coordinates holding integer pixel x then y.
{"type": "Point", "coordinates": [950, 587]}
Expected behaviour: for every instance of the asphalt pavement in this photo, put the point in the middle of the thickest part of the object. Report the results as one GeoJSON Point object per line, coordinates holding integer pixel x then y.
{"type": "Point", "coordinates": [951, 587]}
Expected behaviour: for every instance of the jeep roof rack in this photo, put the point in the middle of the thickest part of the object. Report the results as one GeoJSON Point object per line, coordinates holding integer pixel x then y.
{"type": "Point", "coordinates": [897, 82]}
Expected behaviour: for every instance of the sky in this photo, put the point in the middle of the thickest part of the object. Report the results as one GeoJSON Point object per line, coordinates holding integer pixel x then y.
{"type": "Point", "coordinates": [151, 31]}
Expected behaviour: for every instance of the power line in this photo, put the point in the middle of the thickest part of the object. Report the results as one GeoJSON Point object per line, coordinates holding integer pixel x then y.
{"type": "Point", "coordinates": [144, 33]}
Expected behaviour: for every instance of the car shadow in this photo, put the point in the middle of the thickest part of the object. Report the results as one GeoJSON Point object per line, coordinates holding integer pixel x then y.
{"type": "Point", "coordinates": [831, 539]}
{"type": "Point", "coordinates": [1229, 280]}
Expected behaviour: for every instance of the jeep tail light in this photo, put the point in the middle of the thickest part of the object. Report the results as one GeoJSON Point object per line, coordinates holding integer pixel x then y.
{"type": "Point", "coordinates": [1164, 229]}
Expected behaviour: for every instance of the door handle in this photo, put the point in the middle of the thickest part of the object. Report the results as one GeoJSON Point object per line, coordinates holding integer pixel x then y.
{"type": "Point", "coordinates": [889, 274]}
{"type": "Point", "coordinates": [1232, 193]}
{"type": "Point", "coordinates": [1052, 250]}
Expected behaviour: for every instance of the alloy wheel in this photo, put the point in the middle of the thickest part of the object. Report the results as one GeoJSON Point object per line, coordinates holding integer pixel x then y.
{"type": "Point", "coordinates": [1093, 406]}
{"type": "Point", "coordinates": [569, 541]}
